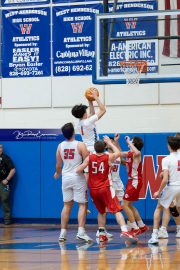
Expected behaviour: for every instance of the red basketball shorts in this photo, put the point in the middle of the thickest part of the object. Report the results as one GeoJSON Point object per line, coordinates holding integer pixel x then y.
{"type": "Point", "coordinates": [105, 197]}
{"type": "Point", "coordinates": [133, 188]}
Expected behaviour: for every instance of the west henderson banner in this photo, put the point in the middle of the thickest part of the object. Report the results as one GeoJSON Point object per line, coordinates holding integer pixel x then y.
{"type": "Point", "coordinates": [146, 50]}
{"type": "Point", "coordinates": [71, 1]}
{"type": "Point", "coordinates": [74, 39]}
{"type": "Point", "coordinates": [8, 3]}
{"type": "Point", "coordinates": [25, 43]}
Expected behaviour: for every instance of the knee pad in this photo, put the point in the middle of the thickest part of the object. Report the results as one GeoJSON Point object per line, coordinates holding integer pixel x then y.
{"type": "Point", "coordinates": [174, 211]}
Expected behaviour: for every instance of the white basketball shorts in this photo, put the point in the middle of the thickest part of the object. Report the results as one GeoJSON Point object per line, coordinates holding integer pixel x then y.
{"type": "Point", "coordinates": [169, 194]}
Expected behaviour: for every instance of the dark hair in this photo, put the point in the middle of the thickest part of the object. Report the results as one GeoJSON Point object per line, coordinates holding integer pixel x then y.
{"type": "Point", "coordinates": [174, 142]}
{"type": "Point", "coordinates": [99, 146]}
{"type": "Point", "coordinates": [177, 135]}
{"type": "Point", "coordinates": [138, 142]}
{"type": "Point", "coordinates": [79, 110]}
{"type": "Point", "coordinates": [111, 138]}
{"type": "Point", "coordinates": [67, 130]}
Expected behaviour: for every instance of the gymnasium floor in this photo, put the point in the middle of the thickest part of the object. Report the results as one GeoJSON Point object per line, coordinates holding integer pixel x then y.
{"type": "Point", "coordinates": [37, 247]}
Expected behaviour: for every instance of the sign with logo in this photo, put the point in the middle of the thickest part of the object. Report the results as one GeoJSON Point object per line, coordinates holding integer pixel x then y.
{"type": "Point", "coordinates": [8, 3]}
{"type": "Point", "coordinates": [25, 46]}
{"type": "Point", "coordinates": [146, 50]}
{"type": "Point", "coordinates": [72, 1]}
{"type": "Point", "coordinates": [73, 39]}
{"type": "Point", "coordinates": [31, 135]}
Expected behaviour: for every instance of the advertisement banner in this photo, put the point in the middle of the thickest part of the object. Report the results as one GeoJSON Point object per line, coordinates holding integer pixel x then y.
{"type": "Point", "coordinates": [8, 3]}
{"type": "Point", "coordinates": [73, 39]}
{"type": "Point", "coordinates": [72, 1]}
{"type": "Point", "coordinates": [25, 43]}
{"type": "Point", "coordinates": [146, 50]}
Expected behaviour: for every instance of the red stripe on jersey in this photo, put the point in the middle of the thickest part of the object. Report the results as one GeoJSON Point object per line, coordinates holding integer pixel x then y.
{"type": "Point", "coordinates": [82, 132]}
{"type": "Point", "coordinates": [99, 171]}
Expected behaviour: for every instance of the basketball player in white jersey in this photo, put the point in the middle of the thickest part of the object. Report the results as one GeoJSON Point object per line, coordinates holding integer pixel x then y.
{"type": "Point", "coordinates": [115, 169]}
{"type": "Point", "coordinates": [74, 187]}
{"type": "Point", "coordinates": [162, 233]}
{"type": "Point", "coordinates": [171, 174]}
{"type": "Point", "coordinates": [86, 124]}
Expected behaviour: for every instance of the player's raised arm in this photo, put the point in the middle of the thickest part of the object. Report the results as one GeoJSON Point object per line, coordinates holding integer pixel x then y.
{"type": "Point", "coordinates": [133, 148]}
{"type": "Point", "coordinates": [116, 151]}
{"type": "Point", "coordinates": [101, 106]}
{"type": "Point", "coordinates": [116, 139]}
{"type": "Point", "coordinates": [58, 163]}
{"type": "Point", "coordinates": [81, 168]}
{"type": "Point", "coordinates": [91, 108]}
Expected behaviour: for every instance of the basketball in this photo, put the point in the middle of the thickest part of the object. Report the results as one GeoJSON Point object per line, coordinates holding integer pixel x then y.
{"type": "Point", "coordinates": [88, 93]}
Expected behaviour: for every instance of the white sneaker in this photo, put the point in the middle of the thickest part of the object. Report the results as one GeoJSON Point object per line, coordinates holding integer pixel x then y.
{"type": "Point", "coordinates": [109, 235]}
{"type": "Point", "coordinates": [83, 237]}
{"type": "Point", "coordinates": [162, 233]}
{"type": "Point", "coordinates": [177, 232]}
{"type": "Point", "coordinates": [154, 239]}
{"type": "Point", "coordinates": [62, 237]}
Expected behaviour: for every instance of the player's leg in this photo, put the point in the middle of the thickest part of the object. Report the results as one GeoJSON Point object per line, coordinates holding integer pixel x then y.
{"type": "Point", "coordinates": [137, 216]}
{"type": "Point", "coordinates": [157, 218]}
{"type": "Point", "coordinates": [81, 197]}
{"type": "Point", "coordinates": [65, 215]}
{"type": "Point", "coordinates": [162, 233]}
{"type": "Point", "coordinates": [178, 209]}
{"type": "Point", "coordinates": [109, 235]}
{"type": "Point", "coordinates": [111, 201]}
{"type": "Point", "coordinates": [86, 174]}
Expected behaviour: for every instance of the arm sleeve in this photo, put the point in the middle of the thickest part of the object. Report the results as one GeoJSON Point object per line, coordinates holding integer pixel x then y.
{"type": "Point", "coordinates": [9, 163]}
{"type": "Point", "coordinates": [165, 163]}
{"type": "Point", "coordinates": [91, 120]}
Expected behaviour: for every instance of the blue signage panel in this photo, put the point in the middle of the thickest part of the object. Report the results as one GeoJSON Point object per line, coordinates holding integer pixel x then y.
{"type": "Point", "coordinates": [25, 43]}
{"type": "Point", "coordinates": [71, 1]}
{"type": "Point", "coordinates": [127, 27]}
{"type": "Point", "coordinates": [74, 39]}
{"type": "Point", "coordinates": [8, 3]}
{"type": "Point", "coordinates": [31, 135]}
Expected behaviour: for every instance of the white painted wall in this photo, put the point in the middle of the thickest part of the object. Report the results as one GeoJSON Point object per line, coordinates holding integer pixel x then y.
{"type": "Point", "coordinates": [47, 102]}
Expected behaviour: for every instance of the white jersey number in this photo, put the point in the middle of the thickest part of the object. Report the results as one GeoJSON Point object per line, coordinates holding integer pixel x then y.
{"type": "Point", "coordinates": [101, 167]}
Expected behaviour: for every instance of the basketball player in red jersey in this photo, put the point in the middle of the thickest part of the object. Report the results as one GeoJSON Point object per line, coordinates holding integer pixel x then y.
{"type": "Point", "coordinates": [101, 190]}
{"type": "Point", "coordinates": [74, 187]}
{"type": "Point", "coordinates": [134, 184]}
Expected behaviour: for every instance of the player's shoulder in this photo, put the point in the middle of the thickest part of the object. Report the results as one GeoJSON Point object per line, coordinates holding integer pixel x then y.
{"type": "Point", "coordinates": [166, 159]}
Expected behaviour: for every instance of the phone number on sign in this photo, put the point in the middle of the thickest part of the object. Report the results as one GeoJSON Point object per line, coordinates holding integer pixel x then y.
{"type": "Point", "coordinates": [74, 68]}
{"type": "Point", "coordinates": [26, 73]}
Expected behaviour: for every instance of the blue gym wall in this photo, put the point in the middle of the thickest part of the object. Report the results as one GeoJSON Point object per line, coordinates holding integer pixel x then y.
{"type": "Point", "coordinates": [35, 194]}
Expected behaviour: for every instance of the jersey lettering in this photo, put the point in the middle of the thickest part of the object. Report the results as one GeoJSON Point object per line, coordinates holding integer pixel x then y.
{"type": "Point", "coordinates": [178, 165]}
{"type": "Point", "coordinates": [82, 132]}
{"type": "Point", "coordinates": [115, 168]}
{"type": "Point", "coordinates": [101, 167]}
{"type": "Point", "coordinates": [69, 153]}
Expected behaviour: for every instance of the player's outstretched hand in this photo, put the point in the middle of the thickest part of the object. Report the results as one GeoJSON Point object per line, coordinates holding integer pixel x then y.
{"type": "Point", "coordinates": [116, 137]}
{"type": "Point", "coordinates": [106, 139]}
{"type": "Point", "coordinates": [56, 175]}
{"type": "Point", "coordinates": [94, 93]}
{"type": "Point", "coordinates": [127, 139]}
{"type": "Point", "coordinates": [156, 195]}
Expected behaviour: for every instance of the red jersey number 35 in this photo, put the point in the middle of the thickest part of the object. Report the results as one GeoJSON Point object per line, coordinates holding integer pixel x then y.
{"type": "Point", "coordinates": [96, 169]}
{"type": "Point", "coordinates": [69, 153]}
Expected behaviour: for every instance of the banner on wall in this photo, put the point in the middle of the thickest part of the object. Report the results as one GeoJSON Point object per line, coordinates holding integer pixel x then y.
{"type": "Point", "coordinates": [146, 50]}
{"type": "Point", "coordinates": [73, 39]}
{"type": "Point", "coordinates": [25, 43]}
{"type": "Point", "coordinates": [72, 1]}
{"type": "Point", "coordinates": [8, 3]}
